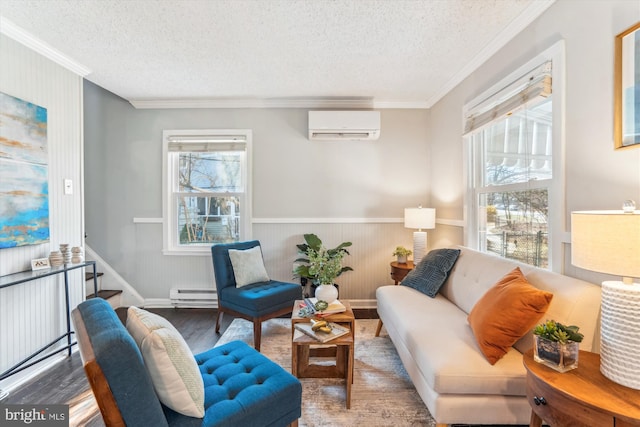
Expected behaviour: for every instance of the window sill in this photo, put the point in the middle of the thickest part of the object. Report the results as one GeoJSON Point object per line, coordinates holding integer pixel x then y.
{"type": "Point", "coordinates": [206, 251]}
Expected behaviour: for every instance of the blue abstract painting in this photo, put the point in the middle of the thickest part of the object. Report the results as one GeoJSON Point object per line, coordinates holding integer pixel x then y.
{"type": "Point", "coordinates": [24, 188]}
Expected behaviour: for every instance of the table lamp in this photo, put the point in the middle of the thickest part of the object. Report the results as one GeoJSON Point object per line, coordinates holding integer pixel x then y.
{"type": "Point", "coordinates": [420, 218]}
{"type": "Point", "coordinates": [609, 242]}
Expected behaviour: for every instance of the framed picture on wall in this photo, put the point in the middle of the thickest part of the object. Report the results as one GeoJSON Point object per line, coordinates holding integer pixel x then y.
{"type": "Point", "coordinates": [627, 88]}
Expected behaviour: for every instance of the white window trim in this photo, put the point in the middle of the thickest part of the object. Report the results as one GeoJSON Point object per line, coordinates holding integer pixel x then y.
{"type": "Point", "coordinates": [557, 216]}
{"type": "Point", "coordinates": [169, 244]}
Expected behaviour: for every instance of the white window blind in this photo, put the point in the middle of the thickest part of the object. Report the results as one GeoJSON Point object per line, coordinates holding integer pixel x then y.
{"type": "Point", "coordinates": [206, 143]}
{"type": "Point", "coordinates": [529, 89]}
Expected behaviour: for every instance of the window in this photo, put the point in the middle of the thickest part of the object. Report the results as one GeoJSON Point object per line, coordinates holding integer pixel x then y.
{"type": "Point", "coordinates": [206, 189]}
{"type": "Point", "coordinates": [513, 174]}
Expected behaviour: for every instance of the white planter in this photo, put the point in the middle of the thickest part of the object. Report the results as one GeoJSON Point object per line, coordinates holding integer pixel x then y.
{"type": "Point", "coordinates": [402, 259]}
{"type": "Point", "coordinates": [328, 293]}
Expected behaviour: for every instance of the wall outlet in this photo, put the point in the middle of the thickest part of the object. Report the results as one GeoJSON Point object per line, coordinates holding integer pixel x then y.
{"type": "Point", "coordinates": [68, 186]}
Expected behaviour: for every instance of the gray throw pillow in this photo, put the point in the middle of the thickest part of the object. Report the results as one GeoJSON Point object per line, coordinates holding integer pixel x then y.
{"type": "Point", "coordinates": [432, 271]}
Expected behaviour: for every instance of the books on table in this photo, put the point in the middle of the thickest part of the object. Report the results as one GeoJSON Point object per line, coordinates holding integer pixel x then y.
{"type": "Point", "coordinates": [333, 308]}
{"type": "Point", "coordinates": [323, 337]}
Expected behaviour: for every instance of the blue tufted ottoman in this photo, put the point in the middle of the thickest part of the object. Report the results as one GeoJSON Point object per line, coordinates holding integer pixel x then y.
{"type": "Point", "coordinates": [242, 387]}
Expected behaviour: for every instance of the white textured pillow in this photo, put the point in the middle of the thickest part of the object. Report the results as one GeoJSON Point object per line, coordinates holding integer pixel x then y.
{"type": "Point", "coordinates": [248, 266]}
{"type": "Point", "coordinates": [171, 365]}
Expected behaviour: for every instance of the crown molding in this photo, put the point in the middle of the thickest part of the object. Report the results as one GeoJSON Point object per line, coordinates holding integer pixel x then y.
{"type": "Point", "coordinates": [311, 102]}
{"type": "Point", "coordinates": [13, 31]}
{"type": "Point", "coordinates": [401, 104]}
{"type": "Point", "coordinates": [522, 21]}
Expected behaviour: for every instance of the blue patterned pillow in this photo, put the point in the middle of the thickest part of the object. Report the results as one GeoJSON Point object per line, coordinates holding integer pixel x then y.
{"type": "Point", "coordinates": [432, 271]}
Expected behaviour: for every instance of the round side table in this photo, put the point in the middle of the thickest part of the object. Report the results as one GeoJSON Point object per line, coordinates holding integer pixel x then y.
{"type": "Point", "coordinates": [399, 271]}
{"type": "Point", "coordinates": [580, 397]}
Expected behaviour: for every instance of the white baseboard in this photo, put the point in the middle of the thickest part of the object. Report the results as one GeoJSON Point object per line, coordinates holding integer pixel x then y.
{"type": "Point", "coordinates": [363, 303]}
{"type": "Point", "coordinates": [157, 303]}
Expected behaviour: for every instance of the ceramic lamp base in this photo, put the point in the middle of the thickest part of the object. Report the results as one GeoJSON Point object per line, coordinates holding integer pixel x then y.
{"type": "Point", "coordinates": [419, 245]}
{"type": "Point", "coordinates": [620, 333]}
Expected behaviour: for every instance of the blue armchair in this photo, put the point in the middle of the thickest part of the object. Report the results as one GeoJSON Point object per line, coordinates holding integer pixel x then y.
{"type": "Point", "coordinates": [256, 302]}
{"type": "Point", "coordinates": [241, 386]}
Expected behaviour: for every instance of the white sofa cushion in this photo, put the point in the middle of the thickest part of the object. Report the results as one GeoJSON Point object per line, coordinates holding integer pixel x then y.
{"type": "Point", "coordinates": [574, 301]}
{"type": "Point", "coordinates": [443, 346]}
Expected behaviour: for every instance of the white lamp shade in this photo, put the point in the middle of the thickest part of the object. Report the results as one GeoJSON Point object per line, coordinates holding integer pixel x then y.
{"type": "Point", "coordinates": [420, 218]}
{"type": "Point", "coordinates": [606, 242]}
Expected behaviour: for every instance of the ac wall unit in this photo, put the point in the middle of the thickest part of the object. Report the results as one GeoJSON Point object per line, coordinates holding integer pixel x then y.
{"type": "Point", "coordinates": [344, 125]}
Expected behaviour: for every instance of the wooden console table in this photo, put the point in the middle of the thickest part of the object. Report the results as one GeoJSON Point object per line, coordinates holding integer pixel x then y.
{"type": "Point", "coordinates": [580, 397]}
{"type": "Point", "coordinates": [28, 276]}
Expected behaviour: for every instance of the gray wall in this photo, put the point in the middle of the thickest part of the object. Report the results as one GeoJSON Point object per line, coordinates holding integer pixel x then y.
{"type": "Point", "coordinates": [418, 159]}
{"type": "Point", "coordinates": [298, 185]}
{"type": "Point", "coordinates": [597, 176]}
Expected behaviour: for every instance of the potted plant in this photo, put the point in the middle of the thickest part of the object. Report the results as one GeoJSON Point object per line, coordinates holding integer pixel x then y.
{"type": "Point", "coordinates": [321, 266]}
{"type": "Point", "coordinates": [557, 345]}
{"type": "Point", "coordinates": [402, 253]}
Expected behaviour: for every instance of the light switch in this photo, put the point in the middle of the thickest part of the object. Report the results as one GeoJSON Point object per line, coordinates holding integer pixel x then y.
{"type": "Point", "coordinates": [68, 186]}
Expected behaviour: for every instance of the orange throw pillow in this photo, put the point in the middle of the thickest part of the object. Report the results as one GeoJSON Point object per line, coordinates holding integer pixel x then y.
{"type": "Point", "coordinates": [510, 309]}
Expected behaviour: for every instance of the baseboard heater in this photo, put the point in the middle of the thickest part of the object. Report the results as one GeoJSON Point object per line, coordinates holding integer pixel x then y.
{"type": "Point", "coordinates": [193, 297]}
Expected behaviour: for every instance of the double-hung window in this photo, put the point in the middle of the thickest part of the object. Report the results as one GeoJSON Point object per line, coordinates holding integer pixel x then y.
{"type": "Point", "coordinates": [206, 188]}
{"type": "Point", "coordinates": [514, 189]}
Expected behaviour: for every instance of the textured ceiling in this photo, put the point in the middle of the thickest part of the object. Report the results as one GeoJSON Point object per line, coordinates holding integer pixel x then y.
{"type": "Point", "coordinates": [387, 50]}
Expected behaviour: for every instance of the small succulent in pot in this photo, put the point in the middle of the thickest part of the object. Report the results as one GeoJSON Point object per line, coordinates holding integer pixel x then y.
{"type": "Point", "coordinates": [556, 345]}
{"type": "Point", "coordinates": [402, 253]}
{"type": "Point", "coordinates": [558, 332]}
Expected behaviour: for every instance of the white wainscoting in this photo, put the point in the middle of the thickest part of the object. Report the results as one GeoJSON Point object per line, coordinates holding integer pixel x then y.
{"type": "Point", "coordinates": [32, 314]}
{"type": "Point", "coordinates": [374, 240]}
{"type": "Point", "coordinates": [373, 244]}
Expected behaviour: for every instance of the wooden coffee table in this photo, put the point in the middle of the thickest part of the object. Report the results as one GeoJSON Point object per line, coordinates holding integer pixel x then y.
{"type": "Point", "coordinates": [341, 349]}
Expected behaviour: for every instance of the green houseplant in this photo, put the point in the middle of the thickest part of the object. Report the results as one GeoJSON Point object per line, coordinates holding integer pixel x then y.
{"type": "Point", "coordinates": [402, 253]}
{"type": "Point", "coordinates": [557, 345]}
{"type": "Point", "coordinates": [321, 265]}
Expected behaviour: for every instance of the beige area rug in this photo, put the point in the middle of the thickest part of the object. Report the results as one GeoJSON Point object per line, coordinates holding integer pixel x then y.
{"type": "Point", "coordinates": [382, 393]}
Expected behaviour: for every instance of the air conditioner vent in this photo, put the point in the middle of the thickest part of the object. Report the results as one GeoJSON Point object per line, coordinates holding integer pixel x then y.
{"type": "Point", "coordinates": [344, 125]}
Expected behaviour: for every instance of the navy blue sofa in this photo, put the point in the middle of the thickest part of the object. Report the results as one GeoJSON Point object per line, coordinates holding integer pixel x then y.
{"type": "Point", "coordinates": [242, 387]}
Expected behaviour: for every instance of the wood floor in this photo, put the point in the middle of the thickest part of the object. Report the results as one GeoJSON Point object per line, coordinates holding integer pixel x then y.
{"type": "Point", "coordinates": [66, 383]}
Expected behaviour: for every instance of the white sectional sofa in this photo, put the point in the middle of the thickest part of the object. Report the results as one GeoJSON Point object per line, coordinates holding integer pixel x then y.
{"type": "Point", "coordinates": [441, 355]}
